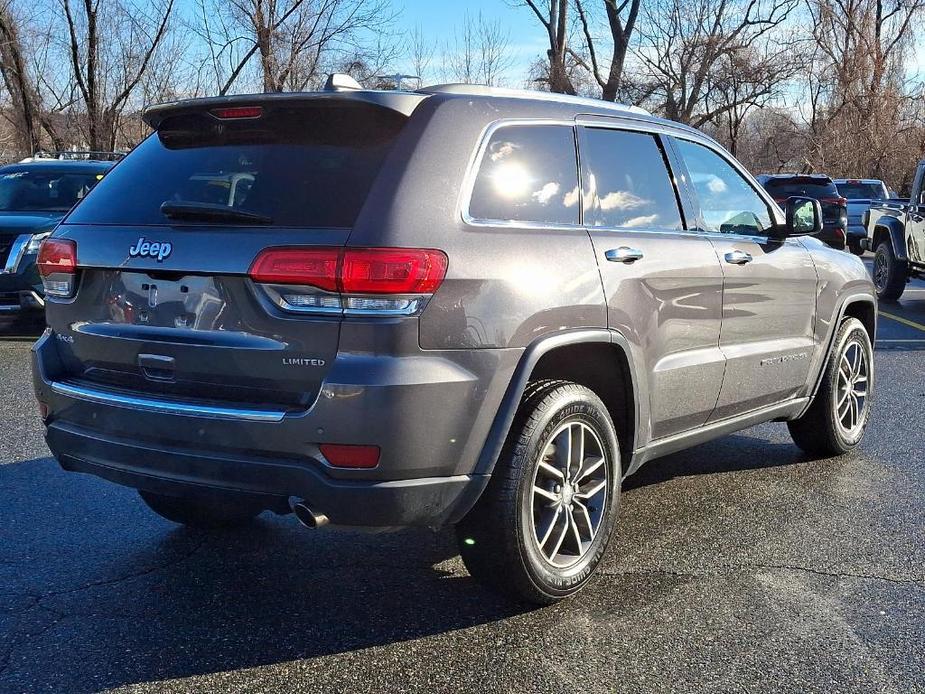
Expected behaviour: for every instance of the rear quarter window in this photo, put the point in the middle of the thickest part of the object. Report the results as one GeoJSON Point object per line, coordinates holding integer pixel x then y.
{"type": "Point", "coordinates": [298, 166]}
{"type": "Point", "coordinates": [528, 174]}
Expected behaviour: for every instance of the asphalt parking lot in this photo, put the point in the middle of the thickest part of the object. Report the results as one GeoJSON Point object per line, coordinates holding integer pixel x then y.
{"type": "Point", "coordinates": [739, 566]}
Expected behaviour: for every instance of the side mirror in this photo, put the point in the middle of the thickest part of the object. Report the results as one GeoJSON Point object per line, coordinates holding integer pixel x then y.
{"type": "Point", "coordinates": [803, 215]}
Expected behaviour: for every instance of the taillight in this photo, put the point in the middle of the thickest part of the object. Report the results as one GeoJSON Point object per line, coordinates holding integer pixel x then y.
{"type": "Point", "coordinates": [391, 281]}
{"type": "Point", "coordinates": [392, 271]}
{"type": "Point", "coordinates": [317, 268]}
{"type": "Point", "coordinates": [57, 265]}
{"type": "Point", "coordinates": [835, 201]}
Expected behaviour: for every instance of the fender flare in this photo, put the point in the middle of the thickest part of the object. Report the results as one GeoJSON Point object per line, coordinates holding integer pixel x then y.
{"type": "Point", "coordinates": [897, 233]}
{"type": "Point", "coordinates": [504, 418]}
{"type": "Point", "coordinates": [844, 302]}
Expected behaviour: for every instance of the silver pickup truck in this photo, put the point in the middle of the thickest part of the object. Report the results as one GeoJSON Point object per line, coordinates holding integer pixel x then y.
{"type": "Point", "coordinates": [860, 193]}
{"type": "Point", "coordinates": [896, 234]}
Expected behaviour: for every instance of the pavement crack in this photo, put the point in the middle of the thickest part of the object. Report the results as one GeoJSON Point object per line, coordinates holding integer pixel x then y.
{"type": "Point", "coordinates": [127, 577]}
{"type": "Point", "coordinates": [726, 568]}
{"type": "Point", "coordinates": [19, 636]}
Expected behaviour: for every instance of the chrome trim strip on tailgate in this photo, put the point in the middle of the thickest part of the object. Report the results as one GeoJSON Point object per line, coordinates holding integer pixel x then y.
{"type": "Point", "coordinates": [164, 406]}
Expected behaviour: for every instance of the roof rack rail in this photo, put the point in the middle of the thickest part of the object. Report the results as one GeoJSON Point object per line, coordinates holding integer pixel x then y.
{"type": "Point", "coordinates": [74, 155]}
{"type": "Point", "coordinates": [483, 90]}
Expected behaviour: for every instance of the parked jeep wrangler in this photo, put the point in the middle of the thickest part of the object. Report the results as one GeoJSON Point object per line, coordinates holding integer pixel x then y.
{"type": "Point", "coordinates": [896, 235]}
{"type": "Point", "coordinates": [460, 305]}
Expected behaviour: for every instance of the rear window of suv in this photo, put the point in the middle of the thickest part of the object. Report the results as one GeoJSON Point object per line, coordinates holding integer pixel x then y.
{"type": "Point", "coordinates": [784, 188]}
{"type": "Point", "coordinates": [862, 191]}
{"type": "Point", "coordinates": [294, 166]}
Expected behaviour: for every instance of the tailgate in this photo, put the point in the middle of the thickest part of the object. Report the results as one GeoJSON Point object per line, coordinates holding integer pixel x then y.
{"type": "Point", "coordinates": [164, 243]}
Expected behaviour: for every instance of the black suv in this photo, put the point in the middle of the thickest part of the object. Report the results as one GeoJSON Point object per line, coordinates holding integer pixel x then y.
{"type": "Point", "coordinates": [460, 306]}
{"type": "Point", "coordinates": [34, 196]}
{"type": "Point", "coordinates": [820, 187]}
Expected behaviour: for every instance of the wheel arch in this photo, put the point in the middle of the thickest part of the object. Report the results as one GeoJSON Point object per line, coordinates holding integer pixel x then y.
{"type": "Point", "coordinates": [570, 355]}
{"type": "Point", "coordinates": [891, 230]}
{"type": "Point", "coordinates": [861, 306]}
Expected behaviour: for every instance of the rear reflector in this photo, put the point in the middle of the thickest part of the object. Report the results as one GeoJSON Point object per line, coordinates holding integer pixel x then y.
{"type": "Point", "coordinates": [353, 270]}
{"type": "Point", "coordinates": [342, 455]}
{"type": "Point", "coordinates": [233, 112]}
{"type": "Point", "coordinates": [57, 256]}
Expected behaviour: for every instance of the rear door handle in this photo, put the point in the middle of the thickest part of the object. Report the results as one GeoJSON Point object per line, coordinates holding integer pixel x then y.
{"type": "Point", "coordinates": [738, 257]}
{"type": "Point", "coordinates": [623, 254]}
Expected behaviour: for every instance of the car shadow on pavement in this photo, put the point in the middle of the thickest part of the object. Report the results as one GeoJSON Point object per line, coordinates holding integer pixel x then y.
{"type": "Point", "coordinates": [731, 453]}
{"type": "Point", "coordinates": [89, 574]}
{"type": "Point", "coordinates": [116, 596]}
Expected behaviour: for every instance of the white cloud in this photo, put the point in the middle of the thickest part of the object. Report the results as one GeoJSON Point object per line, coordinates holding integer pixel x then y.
{"type": "Point", "coordinates": [545, 194]}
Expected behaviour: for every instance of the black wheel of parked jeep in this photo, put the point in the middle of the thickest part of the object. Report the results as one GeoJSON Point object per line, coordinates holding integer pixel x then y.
{"type": "Point", "coordinates": [835, 422]}
{"type": "Point", "coordinates": [547, 514]}
{"type": "Point", "coordinates": [855, 247]}
{"type": "Point", "coordinates": [889, 273]}
{"type": "Point", "coordinates": [200, 513]}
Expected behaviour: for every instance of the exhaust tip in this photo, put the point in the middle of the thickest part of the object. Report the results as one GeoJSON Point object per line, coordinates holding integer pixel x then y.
{"type": "Point", "coordinates": [307, 517]}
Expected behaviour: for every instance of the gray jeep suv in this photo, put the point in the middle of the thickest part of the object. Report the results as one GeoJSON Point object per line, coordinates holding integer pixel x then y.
{"type": "Point", "coordinates": [459, 306]}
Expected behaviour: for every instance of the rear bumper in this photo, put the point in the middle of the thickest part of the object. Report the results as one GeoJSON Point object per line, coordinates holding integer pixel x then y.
{"type": "Point", "coordinates": [429, 417]}
{"type": "Point", "coordinates": [167, 470]}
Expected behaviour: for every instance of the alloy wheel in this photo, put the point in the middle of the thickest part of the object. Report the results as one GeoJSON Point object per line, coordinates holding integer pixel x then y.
{"type": "Point", "coordinates": [881, 271]}
{"type": "Point", "coordinates": [852, 388]}
{"type": "Point", "coordinates": [569, 493]}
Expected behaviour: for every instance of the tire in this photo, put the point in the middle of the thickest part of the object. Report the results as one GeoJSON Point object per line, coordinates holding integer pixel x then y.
{"type": "Point", "coordinates": [499, 538]}
{"type": "Point", "coordinates": [889, 273]}
{"type": "Point", "coordinates": [827, 428]}
{"type": "Point", "coordinates": [199, 513]}
{"type": "Point", "coordinates": [855, 248]}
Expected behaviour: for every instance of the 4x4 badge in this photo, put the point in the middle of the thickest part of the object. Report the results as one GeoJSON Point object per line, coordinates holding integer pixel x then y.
{"type": "Point", "coordinates": [150, 249]}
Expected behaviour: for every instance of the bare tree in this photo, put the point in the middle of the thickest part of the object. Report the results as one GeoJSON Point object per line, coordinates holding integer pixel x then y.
{"type": "Point", "coordinates": [746, 79]}
{"type": "Point", "coordinates": [610, 75]}
{"type": "Point", "coordinates": [479, 52]}
{"type": "Point", "coordinates": [690, 48]}
{"type": "Point", "coordinates": [554, 16]}
{"type": "Point", "coordinates": [421, 52]}
{"type": "Point", "coordinates": [293, 41]}
{"type": "Point", "coordinates": [858, 87]}
{"type": "Point", "coordinates": [28, 114]}
{"type": "Point", "coordinates": [111, 45]}
{"type": "Point", "coordinates": [598, 42]}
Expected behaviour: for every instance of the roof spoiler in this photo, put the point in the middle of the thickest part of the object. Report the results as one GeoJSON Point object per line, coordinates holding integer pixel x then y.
{"type": "Point", "coordinates": [342, 88]}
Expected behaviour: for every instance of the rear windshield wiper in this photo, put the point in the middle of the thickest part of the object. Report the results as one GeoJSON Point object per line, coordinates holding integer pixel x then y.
{"type": "Point", "coordinates": [181, 209]}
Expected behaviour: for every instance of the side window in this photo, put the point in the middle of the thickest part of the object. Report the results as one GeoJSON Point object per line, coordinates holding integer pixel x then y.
{"type": "Point", "coordinates": [528, 173]}
{"type": "Point", "coordinates": [728, 202]}
{"type": "Point", "coordinates": [628, 184]}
